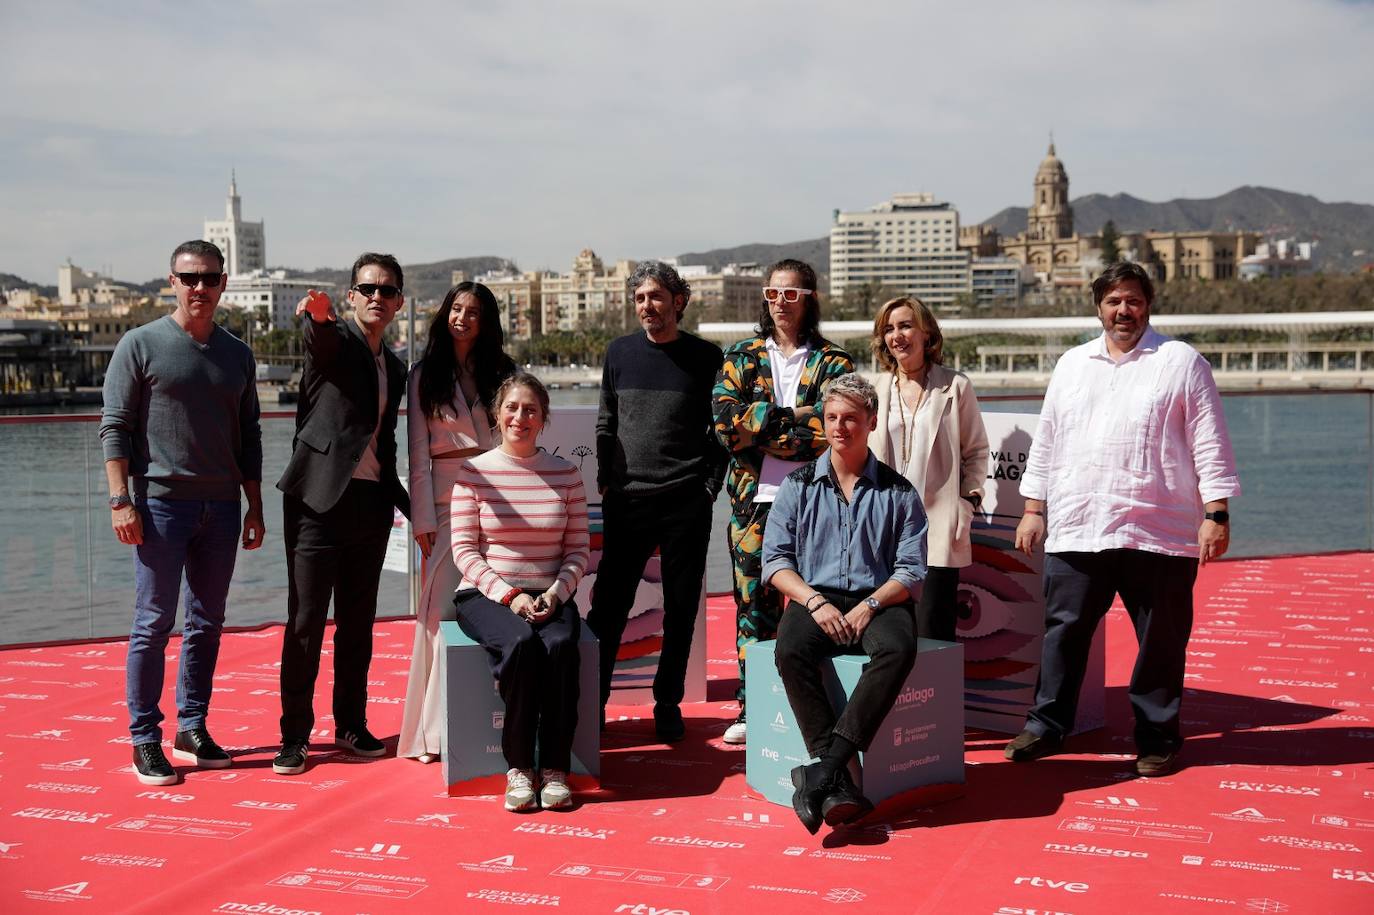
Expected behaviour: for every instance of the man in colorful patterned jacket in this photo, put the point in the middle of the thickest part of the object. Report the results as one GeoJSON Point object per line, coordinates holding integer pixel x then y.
{"type": "Point", "coordinates": [766, 417]}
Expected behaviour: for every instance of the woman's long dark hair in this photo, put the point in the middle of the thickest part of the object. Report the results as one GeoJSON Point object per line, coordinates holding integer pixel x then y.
{"type": "Point", "coordinates": [490, 364]}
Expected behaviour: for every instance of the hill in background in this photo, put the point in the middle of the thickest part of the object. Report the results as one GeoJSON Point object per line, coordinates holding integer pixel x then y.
{"type": "Point", "coordinates": [424, 282]}
{"type": "Point", "coordinates": [814, 251]}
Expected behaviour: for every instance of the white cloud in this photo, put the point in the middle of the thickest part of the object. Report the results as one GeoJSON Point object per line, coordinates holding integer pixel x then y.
{"type": "Point", "coordinates": [531, 129]}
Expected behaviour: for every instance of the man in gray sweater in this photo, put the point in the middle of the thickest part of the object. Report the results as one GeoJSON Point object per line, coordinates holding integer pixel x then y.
{"type": "Point", "coordinates": [180, 436]}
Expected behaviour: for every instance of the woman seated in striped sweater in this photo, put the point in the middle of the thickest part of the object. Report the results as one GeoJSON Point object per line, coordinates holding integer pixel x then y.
{"type": "Point", "coordinates": [520, 543]}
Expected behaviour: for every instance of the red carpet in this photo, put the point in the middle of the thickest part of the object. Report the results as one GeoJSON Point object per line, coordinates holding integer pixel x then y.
{"type": "Point", "coordinates": [1273, 810]}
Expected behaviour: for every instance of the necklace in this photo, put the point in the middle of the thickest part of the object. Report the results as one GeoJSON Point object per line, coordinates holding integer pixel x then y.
{"type": "Point", "coordinates": [908, 439]}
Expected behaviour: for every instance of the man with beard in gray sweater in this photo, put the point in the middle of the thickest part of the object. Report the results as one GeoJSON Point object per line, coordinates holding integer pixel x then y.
{"type": "Point", "coordinates": [659, 469]}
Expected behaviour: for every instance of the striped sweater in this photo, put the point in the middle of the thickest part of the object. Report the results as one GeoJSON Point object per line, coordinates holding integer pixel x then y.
{"type": "Point", "coordinates": [519, 524]}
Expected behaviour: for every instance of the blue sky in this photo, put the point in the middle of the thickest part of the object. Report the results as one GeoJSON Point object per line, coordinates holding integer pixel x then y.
{"type": "Point", "coordinates": [532, 130]}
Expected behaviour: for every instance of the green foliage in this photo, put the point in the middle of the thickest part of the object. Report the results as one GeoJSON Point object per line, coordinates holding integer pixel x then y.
{"type": "Point", "coordinates": [859, 301]}
{"type": "Point", "coordinates": [563, 348]}
{"type": "Point", "coordinates": [1111, 248]}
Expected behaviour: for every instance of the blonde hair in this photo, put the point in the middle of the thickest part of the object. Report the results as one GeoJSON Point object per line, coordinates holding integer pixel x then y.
{"type": "Point", "coordinates": [925, 322]}
{"type": "Point", "coordinates": [852, 387]}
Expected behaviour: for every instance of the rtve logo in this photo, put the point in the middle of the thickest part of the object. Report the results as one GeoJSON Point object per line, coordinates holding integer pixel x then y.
{"type": "Point", "coordinates": [1065, 885]}
{"type": "Point", "coordinates": [166, 796]}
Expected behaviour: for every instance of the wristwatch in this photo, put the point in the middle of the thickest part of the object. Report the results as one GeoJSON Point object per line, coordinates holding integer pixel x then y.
{"type": "Point", "coordinates": [120, 501]}
{"type": "Point", "coordinates": [974, 498]}
{"type": "Point", "coordinates": [873, 604]}
{"type": "Point", "coordinates": [1220, 517]}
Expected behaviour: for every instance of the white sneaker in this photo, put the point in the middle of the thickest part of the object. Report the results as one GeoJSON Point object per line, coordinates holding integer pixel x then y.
{"type": "Point", "coordinates": [736, 732]}
{"type": "Point", "coordinates": [555, 792]}
{"type": "Point", "coordinates": [520, 789]}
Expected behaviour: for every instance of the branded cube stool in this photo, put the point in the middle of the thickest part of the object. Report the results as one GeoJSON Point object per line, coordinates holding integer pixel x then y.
{"type": "Point", "coordinates": [917, 756]}
{"type": "Point", "coordinates": [474, 715]}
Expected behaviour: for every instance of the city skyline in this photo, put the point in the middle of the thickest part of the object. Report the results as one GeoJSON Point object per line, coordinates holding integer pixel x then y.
{"type": "Point", "coordinates": [642, 132]}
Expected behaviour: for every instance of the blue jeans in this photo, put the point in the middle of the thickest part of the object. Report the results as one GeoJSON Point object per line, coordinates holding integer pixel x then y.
{"type": "Point", "coordinates": [201, 538]}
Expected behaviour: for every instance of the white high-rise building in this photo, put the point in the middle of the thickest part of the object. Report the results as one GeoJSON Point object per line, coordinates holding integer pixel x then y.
{"type": "Point", "coordinates": [243, 243]}
{"type": "Point", "coordinates": [270, 295]}
{"type": "Point", "coordinates": [909, 244]}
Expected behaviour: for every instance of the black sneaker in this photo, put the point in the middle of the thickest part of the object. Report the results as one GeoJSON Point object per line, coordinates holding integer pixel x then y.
{"type": "Point", "coordinates": [360, 742]}
{"type": "Point", "coordinates": [290, 759]}
{"type": "Point", "coordinates": [151, 767]}
{"type": "Point", "coordinates": [197, 746]}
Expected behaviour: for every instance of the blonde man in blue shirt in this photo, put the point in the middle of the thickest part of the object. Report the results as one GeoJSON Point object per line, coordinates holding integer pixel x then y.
{"type": "Point", "coordinates": [846, 546]}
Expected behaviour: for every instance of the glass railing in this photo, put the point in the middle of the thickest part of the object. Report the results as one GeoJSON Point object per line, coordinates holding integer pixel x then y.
{"type": "Point", "coordinates": [1304, 461]}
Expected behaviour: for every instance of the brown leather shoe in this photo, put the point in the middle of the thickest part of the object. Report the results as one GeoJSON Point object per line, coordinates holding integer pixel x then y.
{"type": "Point", "coordinates": [1029, 745]}
{"type": "Point", "coordinates": [1153, 765]}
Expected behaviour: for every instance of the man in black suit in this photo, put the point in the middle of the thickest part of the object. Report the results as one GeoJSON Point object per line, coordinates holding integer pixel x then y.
{"type": "Point", "coordinates": [340, 486]}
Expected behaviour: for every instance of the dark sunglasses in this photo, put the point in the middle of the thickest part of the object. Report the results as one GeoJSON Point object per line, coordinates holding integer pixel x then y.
{"type": "Point", "coordinates": [386, 291]}
{"type": "Point", "coordinates": [191, 280]}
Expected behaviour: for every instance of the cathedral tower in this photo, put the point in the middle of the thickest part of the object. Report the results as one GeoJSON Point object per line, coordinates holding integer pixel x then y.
{"type": "Point", "coordinates": [1050, 215]}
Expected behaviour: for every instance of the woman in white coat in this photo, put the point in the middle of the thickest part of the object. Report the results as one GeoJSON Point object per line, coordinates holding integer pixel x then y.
{"type": "Point", "coordinates": [449, 420]}
{"type": "Point", "coordinates": [929, 429]}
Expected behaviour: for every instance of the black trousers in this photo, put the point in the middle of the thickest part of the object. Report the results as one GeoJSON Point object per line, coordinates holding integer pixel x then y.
{"type": "Point", "coordinates": [890, 643]}
{"type": "Point", "coordinates": [678, 524]}
{"type": "Point", "coordinates": [937, 612]}
{"type": "Point", "coordinates": [1158, 593]}
{"type": "Point", "coordinates": [336, 553]}
{"type": "Point", "coordinates": [536, 668]}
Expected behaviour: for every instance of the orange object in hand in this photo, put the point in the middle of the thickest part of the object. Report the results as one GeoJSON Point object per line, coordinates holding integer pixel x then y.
{"type": "Point", "coordinates": [319, 306]}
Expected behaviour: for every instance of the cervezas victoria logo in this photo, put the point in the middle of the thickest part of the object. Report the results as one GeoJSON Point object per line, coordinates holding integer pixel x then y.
{"type": "Point", "coordinates": [513, 897]}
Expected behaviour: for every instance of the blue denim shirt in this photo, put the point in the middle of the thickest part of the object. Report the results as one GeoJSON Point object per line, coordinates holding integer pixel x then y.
{"type": "Point", "coordinates": [859, 545]}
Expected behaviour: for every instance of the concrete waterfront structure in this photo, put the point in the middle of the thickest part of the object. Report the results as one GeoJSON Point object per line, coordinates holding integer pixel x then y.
{"type": "Point", "coordinates": [243, 243]}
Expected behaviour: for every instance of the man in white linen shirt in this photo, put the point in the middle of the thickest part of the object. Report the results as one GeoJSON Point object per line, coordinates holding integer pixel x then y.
{"type": "Point", "coordinates": [1129, 472]}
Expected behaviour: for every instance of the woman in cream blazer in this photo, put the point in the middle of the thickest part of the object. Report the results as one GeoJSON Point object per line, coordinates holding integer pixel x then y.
{"type": "Point", "coordinates": [929, 429]}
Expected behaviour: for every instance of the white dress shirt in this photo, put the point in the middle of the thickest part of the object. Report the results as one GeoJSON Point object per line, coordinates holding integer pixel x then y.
{"type": "Point", "coordinates": [1127, 451]}
{"type": "Point", "coordinates": [787, 372]}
